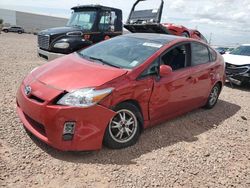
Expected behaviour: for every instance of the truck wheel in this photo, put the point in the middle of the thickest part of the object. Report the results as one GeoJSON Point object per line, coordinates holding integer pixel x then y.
{"type": "Point", "coordinates": [6, 30]}
{"type": "Point", "coordinates": [123, 129]}
{"type": "Point", "coordinates": [19, 32]}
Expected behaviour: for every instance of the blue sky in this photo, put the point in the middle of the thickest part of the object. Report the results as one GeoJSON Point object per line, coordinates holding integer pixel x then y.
{"type": "Point", "coordinates": [227, 20]}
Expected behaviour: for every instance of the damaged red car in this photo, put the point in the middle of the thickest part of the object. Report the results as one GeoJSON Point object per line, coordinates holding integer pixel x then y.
{"type": "Point", "coordinates": [108, 93]}
{"type": "Point", "coordinates": [180, 30]}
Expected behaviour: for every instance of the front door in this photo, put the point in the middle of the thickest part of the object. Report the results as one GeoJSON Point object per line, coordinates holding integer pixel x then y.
{"type": "Point", "coordinates": [172, 95]}
{"type": "Point", "coordinates": [13, 29]}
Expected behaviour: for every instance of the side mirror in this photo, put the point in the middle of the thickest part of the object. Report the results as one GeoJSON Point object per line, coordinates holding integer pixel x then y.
{"type": "Point", "coordinates": [165, 70]}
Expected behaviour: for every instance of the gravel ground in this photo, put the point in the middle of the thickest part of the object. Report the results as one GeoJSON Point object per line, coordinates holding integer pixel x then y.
{"type": "Point", "coordinates": [204, 148]}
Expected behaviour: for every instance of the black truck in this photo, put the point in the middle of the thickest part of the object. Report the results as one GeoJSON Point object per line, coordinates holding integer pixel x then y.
{"type": "Point", "coordinates": [88, 24]}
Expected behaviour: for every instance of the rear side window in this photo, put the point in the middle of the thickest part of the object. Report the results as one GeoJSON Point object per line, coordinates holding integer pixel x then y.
{"type": "Point", "coordinates": [200, 54]}
{"type": "Point", "coordinates": [213, 55]}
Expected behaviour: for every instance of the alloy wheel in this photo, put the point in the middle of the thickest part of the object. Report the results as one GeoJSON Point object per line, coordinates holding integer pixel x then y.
{"type": "Point", "coordinates": [214, 96]}
{"type": "Point", "coordinates": [123, 126]}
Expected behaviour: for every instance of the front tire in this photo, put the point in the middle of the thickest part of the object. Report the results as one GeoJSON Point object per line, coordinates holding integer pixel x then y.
{"type": "Point", "coordinates": [123, 129]}
{"type": "Point", "coordinates": [6, 31]}
{"type": "Point", "coordinates": [213, 96]}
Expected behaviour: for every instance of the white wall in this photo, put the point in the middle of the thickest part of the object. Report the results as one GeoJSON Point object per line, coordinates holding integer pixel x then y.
{"type": "Point", "coordinates": [31, 22]}
{"type": "Point", "coordinates": [8, 16]}
{"type": "Point", "coordinates": [35, 22]}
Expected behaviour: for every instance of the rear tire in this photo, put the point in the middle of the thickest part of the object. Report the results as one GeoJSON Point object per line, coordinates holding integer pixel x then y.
{"type": "Point", "coordinates": [124, 128]}
{"type": "Point", "coordinates": [213, 96]}
{"type": "Point", "coordinates": [6, 31]}
{"type": "Point", "coordinates": [19, 32]}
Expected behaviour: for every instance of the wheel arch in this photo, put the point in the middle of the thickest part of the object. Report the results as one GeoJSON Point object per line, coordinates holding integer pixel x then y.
{"type": "Point", "coordinates": [137, 105]}
{"type": "Point", "coordinates": [186, 31]}
{"type": "Point", "coordinates": [220, 84]}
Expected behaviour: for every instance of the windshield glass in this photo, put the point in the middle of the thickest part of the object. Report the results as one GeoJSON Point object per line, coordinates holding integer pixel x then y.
{"type": "Point", "coordinates": [241, 50]}
{"type": "Point", "coordinates": [84, 19]}
{"type": "Point", "coordinates": [123, 52]}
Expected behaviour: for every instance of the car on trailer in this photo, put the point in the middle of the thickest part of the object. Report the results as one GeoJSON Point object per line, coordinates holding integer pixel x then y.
{"type": "Point", "coordinates": [149, 21]}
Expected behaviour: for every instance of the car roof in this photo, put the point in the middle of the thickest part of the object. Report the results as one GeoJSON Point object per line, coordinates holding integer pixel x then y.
{"type": "Point", "coordinates": [160, 38]}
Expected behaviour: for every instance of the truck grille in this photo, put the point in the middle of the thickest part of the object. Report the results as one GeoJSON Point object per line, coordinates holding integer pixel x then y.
{"type": "Point", "coordinates": [43, 41]}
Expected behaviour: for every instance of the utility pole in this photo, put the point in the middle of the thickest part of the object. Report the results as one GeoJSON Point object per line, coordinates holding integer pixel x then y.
{"type": "Point", "coordinates": [210, 38]}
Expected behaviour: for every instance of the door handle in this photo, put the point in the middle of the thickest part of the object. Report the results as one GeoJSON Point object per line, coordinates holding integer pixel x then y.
{"type": "Point", "coordinates": [147, 89]}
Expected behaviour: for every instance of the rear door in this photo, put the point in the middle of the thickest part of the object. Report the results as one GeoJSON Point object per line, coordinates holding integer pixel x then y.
{"type": "Point", "coordinates": [202, 68]}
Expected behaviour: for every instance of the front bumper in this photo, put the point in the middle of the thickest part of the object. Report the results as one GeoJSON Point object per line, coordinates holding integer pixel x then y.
{"type": "Point", "coordinates": [239, 79]}
{"type": "Point", "coordinates": [49, 56]}
{"type": "Point", "coordinates": [238, 74]}
{"type": "Point", "coordinates": [46, 121]}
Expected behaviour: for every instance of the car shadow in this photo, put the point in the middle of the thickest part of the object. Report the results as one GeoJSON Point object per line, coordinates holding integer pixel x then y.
{"type": "Point", "coordinates": [184, 128]}
{"type": "Point", "coordinates": [245, 87]}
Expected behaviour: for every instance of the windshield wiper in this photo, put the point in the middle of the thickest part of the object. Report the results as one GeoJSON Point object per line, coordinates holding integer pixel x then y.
{"type": "Point", "coordinates": [104, 62]}
{"type": "Point", "coordinates": [97, 59]}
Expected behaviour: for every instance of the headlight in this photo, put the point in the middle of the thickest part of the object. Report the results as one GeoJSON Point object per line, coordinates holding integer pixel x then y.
{"type": "Point", "coordinates": [62, 45]}
{"type": "Point", "coordinates": [74, 33]}
{"type": "Point", "coordinates": [84, 97]}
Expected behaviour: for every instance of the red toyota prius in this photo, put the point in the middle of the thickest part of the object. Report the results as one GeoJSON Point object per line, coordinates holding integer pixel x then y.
{"type": "Point", "coordinates": [108, 93]}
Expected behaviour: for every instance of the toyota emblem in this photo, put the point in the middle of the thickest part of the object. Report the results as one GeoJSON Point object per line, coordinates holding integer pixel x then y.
{"type": "Point", "coordinates": [27, 90]}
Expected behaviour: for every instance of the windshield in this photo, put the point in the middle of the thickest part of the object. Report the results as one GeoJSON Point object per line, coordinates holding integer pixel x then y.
{"type": "Point", "coordinates": [123, 52]}
{"type": "Point", "coordinates": [241, 50]}
{"type": "Point", "coordinates": [84, 19]}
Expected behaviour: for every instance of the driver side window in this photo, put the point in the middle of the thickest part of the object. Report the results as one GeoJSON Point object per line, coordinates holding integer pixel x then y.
{"type": "Point", "coordinates": [176, 58]}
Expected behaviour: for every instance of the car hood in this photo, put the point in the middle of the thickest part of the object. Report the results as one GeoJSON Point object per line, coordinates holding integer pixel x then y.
{"type": "Point", "coordinates": [73, 72]}
{"type": "Point", "coordinates": [58, 30]}
{"type": "Point", "coordinates": [236, 59]}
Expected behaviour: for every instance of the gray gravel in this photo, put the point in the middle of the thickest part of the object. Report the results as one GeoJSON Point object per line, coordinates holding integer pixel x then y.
{"type": "Point", "coordinates": [204, 148]}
